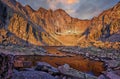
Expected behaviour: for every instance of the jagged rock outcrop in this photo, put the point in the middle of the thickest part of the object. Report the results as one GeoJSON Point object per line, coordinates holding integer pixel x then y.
{"type": "Point", "coordinates": [19, 25]}
{"type": "Point", "coordinates": [104, 29]}
{"type": "Point", "coordinates": [106, 24]}
{"type": "Point", "coordinates": [58, 21]}
{"type": "Point", "coordinates": [23, 29]}
{"type": "Point", "coordinates": [6, 37]}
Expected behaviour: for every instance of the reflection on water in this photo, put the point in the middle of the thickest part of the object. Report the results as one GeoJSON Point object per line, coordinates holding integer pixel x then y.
{"type": "Point", "coordinates": [77, 62]}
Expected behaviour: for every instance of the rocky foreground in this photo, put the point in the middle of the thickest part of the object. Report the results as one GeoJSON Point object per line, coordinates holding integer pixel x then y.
{"type": "Point", "coordinates": [43, 70]}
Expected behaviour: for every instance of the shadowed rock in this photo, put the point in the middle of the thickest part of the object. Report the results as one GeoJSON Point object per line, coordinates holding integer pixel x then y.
{"type": "Point", "coordinates": [6, 66]}
{"type": "Point", "coordinates": [32, 75]}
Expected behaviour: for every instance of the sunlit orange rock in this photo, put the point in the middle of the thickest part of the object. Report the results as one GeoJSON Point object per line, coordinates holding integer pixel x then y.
{"type": "Point", "coordinates": [55, 28]}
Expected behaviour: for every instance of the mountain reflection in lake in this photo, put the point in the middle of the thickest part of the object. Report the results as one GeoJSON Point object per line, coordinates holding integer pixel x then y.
{"type": "Point", "coordinates": [76, 61]}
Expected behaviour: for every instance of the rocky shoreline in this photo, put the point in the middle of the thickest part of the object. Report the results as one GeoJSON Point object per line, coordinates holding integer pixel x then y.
{"type": "Point", "coordinates": [93, 52]}
{"type": "Point", "coordinates": [43, 70]}
{"type": "Point", "coordinates": [111, 58]}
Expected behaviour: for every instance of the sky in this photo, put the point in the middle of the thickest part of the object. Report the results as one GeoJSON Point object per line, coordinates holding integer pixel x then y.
{"type": "Point", "coordinates": [82, 9]}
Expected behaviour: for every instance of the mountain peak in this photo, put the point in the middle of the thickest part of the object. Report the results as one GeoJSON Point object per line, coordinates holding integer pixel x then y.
{"type": "Point", "coordinates": [28, 7]}
{"type": "Point", "coordinates": [50, 10]}
{"type": "Point", "coordinates": [59, 10]}
{"type": "Point", "coordinates": [41, 9]}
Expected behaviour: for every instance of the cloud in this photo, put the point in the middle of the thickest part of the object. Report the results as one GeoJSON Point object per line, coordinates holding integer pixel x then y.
{"type": "Point", "coordinates": [83, 9]}
{"type": "Point", "coordinates": [90, 8]}
{"type": "Point", "coordinates": [68, 2]}
{"type": "Point", "coordinates": [72, 1]}
{"type": "Point", "coordinates": [64, 4]}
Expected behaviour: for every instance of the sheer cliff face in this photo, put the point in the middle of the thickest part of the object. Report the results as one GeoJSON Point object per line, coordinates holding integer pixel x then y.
{"type": "Point", "coordinates": [7, 37]}
{"type": "Point", "coordinates": [18, 24]}
{"type": "Point", "coordinates": [104, 30]}
{"type": "Point", "coordinates": [47, 27]}
{"type": "Point", "coordinates": [57, 21]}
{"type": "Point", "coordinates": [106, 24]}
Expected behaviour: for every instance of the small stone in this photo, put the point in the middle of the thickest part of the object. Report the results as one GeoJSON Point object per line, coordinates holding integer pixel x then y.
{"type": "Point", "coordinates": [101, 77]}
{"type": "Point", "coordinates": [57, 77]}
{"type": "Point", "coordinates": [64, 77]}
{"type": "Point", "coordinates": [64, 68]}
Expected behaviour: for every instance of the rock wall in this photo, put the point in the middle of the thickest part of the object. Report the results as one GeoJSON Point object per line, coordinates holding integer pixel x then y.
{"type": "Point", "coordinates": [23, 29]}
{"type": "Point", "coordinates": [6, 66]}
